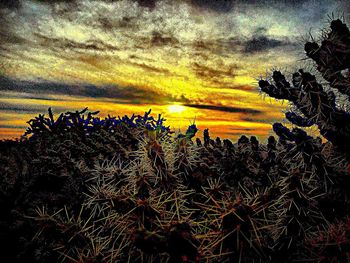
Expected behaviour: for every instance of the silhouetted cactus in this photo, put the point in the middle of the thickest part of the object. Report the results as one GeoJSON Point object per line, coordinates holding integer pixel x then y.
{"type": "Point", "coordinates": [139, 192]}
{"type": "Point", "coordinates": [315, 105]}
{"type": "Point", "coordinates": [332, 57]}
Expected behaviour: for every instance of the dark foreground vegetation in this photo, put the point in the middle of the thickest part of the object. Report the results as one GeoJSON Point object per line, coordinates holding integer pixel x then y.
{"type": "Point", "coordinates": [77, 188]}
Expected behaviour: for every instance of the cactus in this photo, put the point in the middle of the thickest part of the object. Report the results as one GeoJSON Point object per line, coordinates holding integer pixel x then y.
{"type": "Point", "coordinates": [332, 57]}
{"type": "Point", "coordinates": [80, 188]}
{"type": "Point", "coordinates": [313, 105]}
{"type": "Point", "coordinates": [140, 192]}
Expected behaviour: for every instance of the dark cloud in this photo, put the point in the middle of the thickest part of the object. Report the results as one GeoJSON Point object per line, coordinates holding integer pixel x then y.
{"type": "Point", "coordinates": [147, 3]}
{"type": "Point", "coordinates": [213, 74]}
{"type": "Point", "coordinates": [53, 2]}
{"type": "Point", "coordinates": [225, 6]}
{"type": "Point", "coordinates": [223, 108]}
{"type": "Point", "coordinates": [242, 131]}
{"type": "Point", "coordinates": [160, 39]}
{"type": "Point", "coordinates": [256, 120]}
{"type": "Point", "coordinates": [64, 43]}
{"type": "Point", "coordinates": [157, 39]}
{"type": "Point", "coordinates": [21, 108]}
{"type": "Point", "coordinates": [222, 47]}
{"type": "Point", "coordinates": [28, 96]}
{"type": "Point", "coordinates": [8, 37]}
{"type": "Point", "coordinates": [216, 5]}
{"type": "Point", "coordinates": [12, 126]}
{"type": "Point", "coordinates": [149, 68]}
{"type": "Point", "coordinates": [260, 31]}
{"type": "Point", "coordinates": [133, 95]}
{"type": "Point", "coordinates": [109, 25]}
{"type": "Point", "coordinates": [17, 3]}
{"type": "Point", "coordinates": [261, 44]}
{"type": "Point", "coordinates": [10, 3]}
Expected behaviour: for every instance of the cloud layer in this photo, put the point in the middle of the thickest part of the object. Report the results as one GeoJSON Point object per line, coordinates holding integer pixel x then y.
{"type": "Point", "coordinates": [203, 54]}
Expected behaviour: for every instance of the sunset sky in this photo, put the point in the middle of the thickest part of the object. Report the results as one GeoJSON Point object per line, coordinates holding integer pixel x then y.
{"type": "Point", "coordinates": [195, 59]}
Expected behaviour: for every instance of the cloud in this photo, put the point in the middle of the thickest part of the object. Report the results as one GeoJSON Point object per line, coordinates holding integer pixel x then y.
{"type": "Point", "coordinates": [149, 68]}
{"type": "Point", "coordinates": [21, 108]}
{"type": "Point", "coordinates": [147, 3]}
{"type": "Point", "coordinates": [214, 74]}
{"type": "Point", "coordinates": [10, 3]}
{"type": "Point", "coordinates": [133, 95]}
{"type": "Point", "coordinates": [15, 4]}
{"type": "Point", "coordinates": [12, 126]}
{"type": "Point", "coordinates": [217, 5]}
{"type": "Point", "coordinates": [156, 39]}
{"type": "Point", "coordinates": [223, 108]}
{"type": "Point", "coordinates": [160, 39]}
{"type": "Point", "coordinates": [261, 44]}
{"type": "Point", "coordinates": [9, 38]}
{"type": "Point", "coordinates": [29, 96]}
{"type": "Point", "coordinates": [226, 6]}
{"type": "Point", "coordinates": [249, 119]}
{"type": "Point", "coordinates": [64, 43]}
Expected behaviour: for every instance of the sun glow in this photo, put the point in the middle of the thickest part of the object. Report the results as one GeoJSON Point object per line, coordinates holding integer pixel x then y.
{"type": "Point", "coordinates": [175, 108]}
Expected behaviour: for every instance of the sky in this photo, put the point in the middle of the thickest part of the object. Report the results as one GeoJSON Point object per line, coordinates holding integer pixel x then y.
{"type": "Point", "coordinates": [191, 60]}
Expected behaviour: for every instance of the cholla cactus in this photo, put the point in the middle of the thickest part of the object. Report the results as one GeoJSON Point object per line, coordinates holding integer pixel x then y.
{"type": "Point", "coordinates": [137, 193]}
{"type": "Point", "coordinates": [84, 189]}
{"type": "Point", "coordinates": [331, 244]}
{"type": "Point", "coordinates": [332, 57]}
{"type": "Point", "coordinates": [138, 207]}
{"type": "Point", "coordinates": [312, 103]}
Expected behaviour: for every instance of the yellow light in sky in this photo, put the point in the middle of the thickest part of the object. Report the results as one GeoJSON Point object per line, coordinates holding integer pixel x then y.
{"type": "Point", "coordinates": [175, 108]}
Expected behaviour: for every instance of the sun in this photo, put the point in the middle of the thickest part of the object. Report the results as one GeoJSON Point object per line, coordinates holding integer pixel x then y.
{"type": "Point", "coordinates": [176, 108]}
